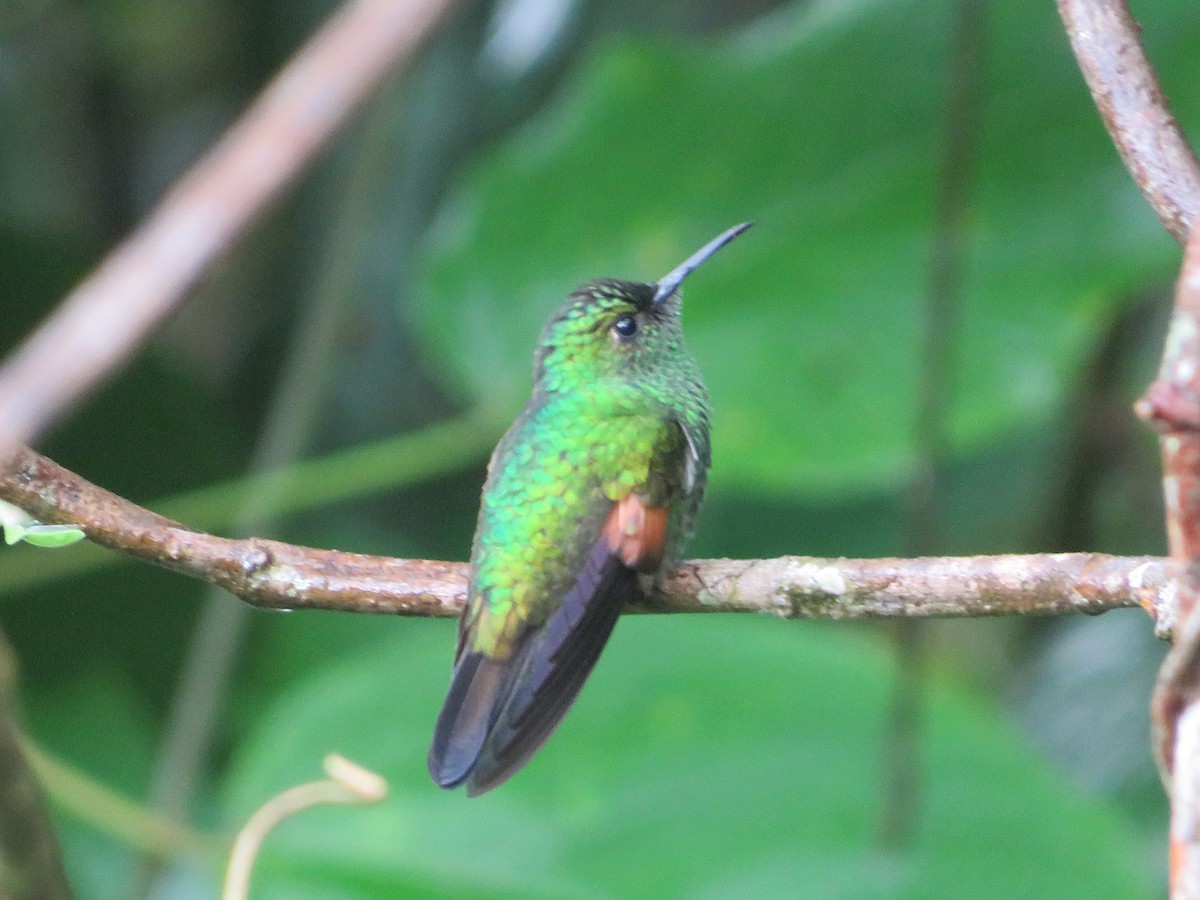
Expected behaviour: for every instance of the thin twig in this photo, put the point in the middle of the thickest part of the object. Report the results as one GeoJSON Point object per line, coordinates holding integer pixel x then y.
{"type": "Point", "coordinates": [1105, 39]}
{"type": "Point", "coordinates": [275, 575]}
{"type": "Point", "coordinates": [104, 319]}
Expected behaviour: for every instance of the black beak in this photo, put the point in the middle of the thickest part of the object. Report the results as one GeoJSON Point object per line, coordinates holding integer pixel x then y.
{"type": "Point", "coordinates": [669, 283]}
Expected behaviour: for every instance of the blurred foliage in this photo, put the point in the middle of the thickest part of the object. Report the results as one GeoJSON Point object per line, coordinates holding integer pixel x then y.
{"type": "Point", "coordinates": [634, 179]}
{"type": "Point", "coordinates": [534, 145]}
{"type": "Point", "coordinates": [736, 772]}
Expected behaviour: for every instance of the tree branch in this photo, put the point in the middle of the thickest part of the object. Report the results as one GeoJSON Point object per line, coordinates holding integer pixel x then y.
{"type": "Point", "coordinates": [105, 318]}
{"type": "Point", "coordinates": [275, 575]}
{"type": "Point", "coordinates": [1105, 39]}
{"type": "Point", "coordinates": [1172, 404]}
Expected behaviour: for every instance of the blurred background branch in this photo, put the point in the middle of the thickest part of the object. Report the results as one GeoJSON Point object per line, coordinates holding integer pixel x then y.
{"type": "Point", "coordinates": [101, 807]}
{"type": "Point", "coordinates": [940, 337]}
{"type": "Point", "coordinates": [106, 318]}
{"type": "Point", "coordinates": [346, 783]}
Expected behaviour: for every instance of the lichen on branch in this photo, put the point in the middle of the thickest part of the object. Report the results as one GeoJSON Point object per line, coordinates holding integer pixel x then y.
{"type": "Point", "coordinates": [276, 575]}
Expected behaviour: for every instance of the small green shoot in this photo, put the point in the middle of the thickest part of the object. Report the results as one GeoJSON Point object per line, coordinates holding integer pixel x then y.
{"type": "Point", "coordinates": [18, 525]}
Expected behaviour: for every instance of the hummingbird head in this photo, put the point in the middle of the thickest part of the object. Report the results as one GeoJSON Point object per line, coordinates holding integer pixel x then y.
{"type": "Point", "coordinates": [624, 329]}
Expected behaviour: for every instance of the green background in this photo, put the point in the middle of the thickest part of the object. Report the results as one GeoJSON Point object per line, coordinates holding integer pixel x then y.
{"type": "Point", "coordinates": [709, 756]}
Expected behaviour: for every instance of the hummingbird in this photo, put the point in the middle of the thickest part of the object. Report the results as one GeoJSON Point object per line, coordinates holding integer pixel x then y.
{"type": "Point", "coordinates": [588, 499]}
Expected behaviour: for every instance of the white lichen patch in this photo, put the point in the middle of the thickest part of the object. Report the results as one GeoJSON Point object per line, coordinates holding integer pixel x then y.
{"type": "Point", "coordinates": [1137, 578]}
{"type": "Point", "coordinates": [794, 587]}
{"type": "Point", "coordinates": [1079, 601]}
{"type": "Point", "coordinates": [827, 579]}
{"type": "Point", "coordinates": [294, 584]}
{"type": "Point", "coordinates": [1181, 333]}
{"type": "Point", "coordinates": [810, 588]}
{"type": "Point", "coordinates": [1185, 368]}
{"type": "Point", "coordinates": [1168, 604]}
{"type": "Point", "coordinates": [1010, 572]}
{"type": "Point", "coordinates": [707, 598]}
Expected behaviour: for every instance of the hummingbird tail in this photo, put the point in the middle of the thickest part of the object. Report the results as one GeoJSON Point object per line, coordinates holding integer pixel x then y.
{"type": "Point", "coordinates": [552, 666]}
{"type": "Point", "coordinates": [466, 717]}
{"type": "Point", "coordinates": [499, 712]}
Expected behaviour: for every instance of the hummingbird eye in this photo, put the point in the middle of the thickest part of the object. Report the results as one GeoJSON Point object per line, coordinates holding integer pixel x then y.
{"type": "Point", "coordinates": [625, 327]}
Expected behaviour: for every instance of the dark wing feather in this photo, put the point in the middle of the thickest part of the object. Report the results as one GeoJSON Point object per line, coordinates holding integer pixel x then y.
{"type": "Point", "coordinates": [552, 665]}
{"type": "Point", "coordinates": [476, 690]}
{"type": "Point", "coordinates": [498, 712]}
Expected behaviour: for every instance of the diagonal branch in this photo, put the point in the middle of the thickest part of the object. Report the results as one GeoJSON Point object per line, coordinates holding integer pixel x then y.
{"type": "Point", "coordinates": [105, 318]}
{"type": "Point", "coordinates": [1105, 39]}
{"type": "Point", "coordinates": [275, 575]}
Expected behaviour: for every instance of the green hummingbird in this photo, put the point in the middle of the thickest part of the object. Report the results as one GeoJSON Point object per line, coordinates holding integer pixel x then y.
{"type": "Point", "coordinates": [589, 497]}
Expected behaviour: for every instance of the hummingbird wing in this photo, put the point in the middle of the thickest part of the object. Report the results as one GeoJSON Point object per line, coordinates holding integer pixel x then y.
{"type": "Point", "coordinates": [498, 713]}
{"type": "Point", "coordinates": [553, 665]}
{"type": "Point", "coordinates": [502, 707]}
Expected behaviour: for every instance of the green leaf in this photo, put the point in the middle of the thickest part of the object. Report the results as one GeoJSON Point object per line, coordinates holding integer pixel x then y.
{"type": "Point", "coordinates": [713, 756]}
{"type": "Point", "coordinates": [824, 124]}
{"type": "Point", "coordinates": [18, 525]}
{"type": "Point", "coordinates": [52, 535]}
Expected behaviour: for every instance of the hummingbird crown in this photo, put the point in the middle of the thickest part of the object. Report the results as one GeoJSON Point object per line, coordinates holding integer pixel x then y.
{"type": "Point", "coordinates": [620, 328]}
{"type": "Point", "coordinates": [608, 328]}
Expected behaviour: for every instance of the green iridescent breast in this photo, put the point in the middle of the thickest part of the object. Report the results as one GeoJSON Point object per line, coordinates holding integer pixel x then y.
{"type": "Point", "coordinates": [551, 484]}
